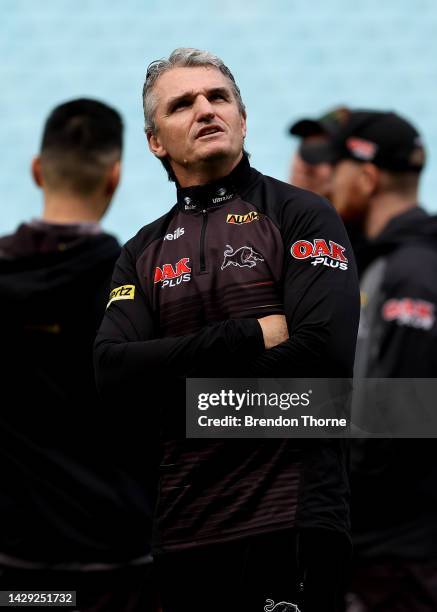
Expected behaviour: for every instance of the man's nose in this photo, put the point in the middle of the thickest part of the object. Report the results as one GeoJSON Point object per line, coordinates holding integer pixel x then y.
{"type": "Point", "coordinates": [204, 109]}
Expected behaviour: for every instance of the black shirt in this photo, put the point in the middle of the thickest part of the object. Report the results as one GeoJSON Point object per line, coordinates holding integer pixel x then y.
{"type": "Point", "coordinates": [187, 292]}
{"type": "Point", "coordinates": [72, 485]}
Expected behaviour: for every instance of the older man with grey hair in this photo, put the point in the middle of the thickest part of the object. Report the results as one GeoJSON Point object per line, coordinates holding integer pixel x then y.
{"type": "Point", "coordinates": [224, 285]}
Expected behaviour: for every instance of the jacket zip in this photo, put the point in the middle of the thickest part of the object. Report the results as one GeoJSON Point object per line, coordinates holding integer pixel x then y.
{"type": "Point", "coordinates": [202, 242]}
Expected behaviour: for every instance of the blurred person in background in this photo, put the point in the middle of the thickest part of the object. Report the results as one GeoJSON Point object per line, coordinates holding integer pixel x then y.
{"type": "Point", "coordinates": [74, 513]}
{"type": "Point", "coordinates": [313, 162]}
{"type": "Point", "coordinates": [394, 505]}
{"type": "Point", "coordinates": [218, 287]}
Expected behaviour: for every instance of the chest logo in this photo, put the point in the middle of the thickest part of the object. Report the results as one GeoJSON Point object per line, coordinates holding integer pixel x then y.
{"type": "Point", "coordinates": [281, 606]}
{"type": "Point", "coordinates": [240, 219]}
{"type": "Point", "coordinates": [244, 257]}
{"type": "Point", "coordinates": [170, 275]}
{"type": "Point", "coordinates": [175, 235]}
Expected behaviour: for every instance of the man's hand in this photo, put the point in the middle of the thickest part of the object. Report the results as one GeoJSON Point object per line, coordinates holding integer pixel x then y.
{"type": "Point", "coordinates": [275, 330]}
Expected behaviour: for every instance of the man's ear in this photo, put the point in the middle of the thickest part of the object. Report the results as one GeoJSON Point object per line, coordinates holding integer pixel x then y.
{"type": "Point", "coordinates": [155, 145]}
{"type": "Point", "coordinates": [370, 178]}
{"type": "Point", "coordinates": [36, 171]}
{"type": "Point", "coordinates": [113, 178]}
{"type": "Point", "coordinates": [244, 123]}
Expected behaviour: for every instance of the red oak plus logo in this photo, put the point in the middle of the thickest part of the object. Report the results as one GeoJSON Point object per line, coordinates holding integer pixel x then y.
{"type": "Point", "coordinates": [413, 313]}
{"type": "Point", "coordinates": [170, 275]}
{"type": "Point", "coordinates": [318, 250]}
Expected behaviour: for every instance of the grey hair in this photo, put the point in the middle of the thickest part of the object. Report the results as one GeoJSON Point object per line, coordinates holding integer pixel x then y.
{"type": "Point", "coordinates": [185, 58]}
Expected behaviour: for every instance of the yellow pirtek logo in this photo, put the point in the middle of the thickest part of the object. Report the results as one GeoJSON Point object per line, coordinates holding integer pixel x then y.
{"type": "Point", "coordinates": [240, 219]}
{"type": "Point", "coordinates": [125, 292]}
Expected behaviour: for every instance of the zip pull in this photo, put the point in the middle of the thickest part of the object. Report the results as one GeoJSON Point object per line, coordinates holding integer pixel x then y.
{"type": "Point", "coordinates": [202, 256]}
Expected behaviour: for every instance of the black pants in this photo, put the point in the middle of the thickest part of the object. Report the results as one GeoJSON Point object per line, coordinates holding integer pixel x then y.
{"type": "Point", "coordinates": [130, 589]}
{"type": "Point", "coordinates": [302, 571]}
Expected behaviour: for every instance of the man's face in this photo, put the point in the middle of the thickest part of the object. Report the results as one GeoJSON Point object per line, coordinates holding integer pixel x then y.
{"type": "Point", "coordinates": [351, 190]}
{"type": "Point", "coordinates": [314, 177]}
{"type": "Point", "coordinates": [197, 118]}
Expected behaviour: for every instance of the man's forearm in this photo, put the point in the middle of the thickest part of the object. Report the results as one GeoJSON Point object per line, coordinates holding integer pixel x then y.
{"type": "Point", "coordinates": [119, 361]}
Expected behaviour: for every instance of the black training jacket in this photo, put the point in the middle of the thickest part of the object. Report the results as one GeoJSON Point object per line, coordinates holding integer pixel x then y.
{"type": "Point", "coordinates": [394, 482]}
{"type": "Point", "coordinates": [72, 489]}
{"type": "Point", "coordinates": [186, 294]}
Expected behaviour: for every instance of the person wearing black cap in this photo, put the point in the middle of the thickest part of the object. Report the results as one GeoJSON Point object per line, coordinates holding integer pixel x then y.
{"type": "Point", "coordinates": [313, 162]}
{"type": "Point", "coordinates": [394, 507]}
{"type": "Point", "coordinates": [74, 513]}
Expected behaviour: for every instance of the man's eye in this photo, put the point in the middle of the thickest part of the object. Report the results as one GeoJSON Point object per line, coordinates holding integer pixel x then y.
{"type": "Point", "coordinates": [180, 104]}
{"type": "Point", "coordinates": [218, 96]}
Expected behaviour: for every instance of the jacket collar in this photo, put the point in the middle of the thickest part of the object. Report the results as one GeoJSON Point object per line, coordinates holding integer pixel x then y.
{"type": "Point", "coordinates": [217, 193]}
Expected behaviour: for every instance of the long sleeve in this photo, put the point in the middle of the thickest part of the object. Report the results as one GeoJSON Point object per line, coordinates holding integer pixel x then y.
{"type": "Point", "coordinates": [321, 297]}
{"type": "Point", "coordinates": [404, 330]}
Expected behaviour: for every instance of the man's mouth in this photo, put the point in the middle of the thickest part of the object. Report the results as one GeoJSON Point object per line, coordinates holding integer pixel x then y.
{"type": "Point", "coordinates": [209, 131]}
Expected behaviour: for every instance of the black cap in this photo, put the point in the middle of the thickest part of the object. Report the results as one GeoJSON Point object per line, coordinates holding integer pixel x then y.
{"type": "Point", "coordinates": [319, 150]}
{"type": "Point", "coordinates": [326, 124]}
{"type": "Point", "coordinates": [382, 138]}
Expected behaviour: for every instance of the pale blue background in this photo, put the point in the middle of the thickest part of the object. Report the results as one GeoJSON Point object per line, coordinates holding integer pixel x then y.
{"type": "Point", "coordinates": [290, 57]}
